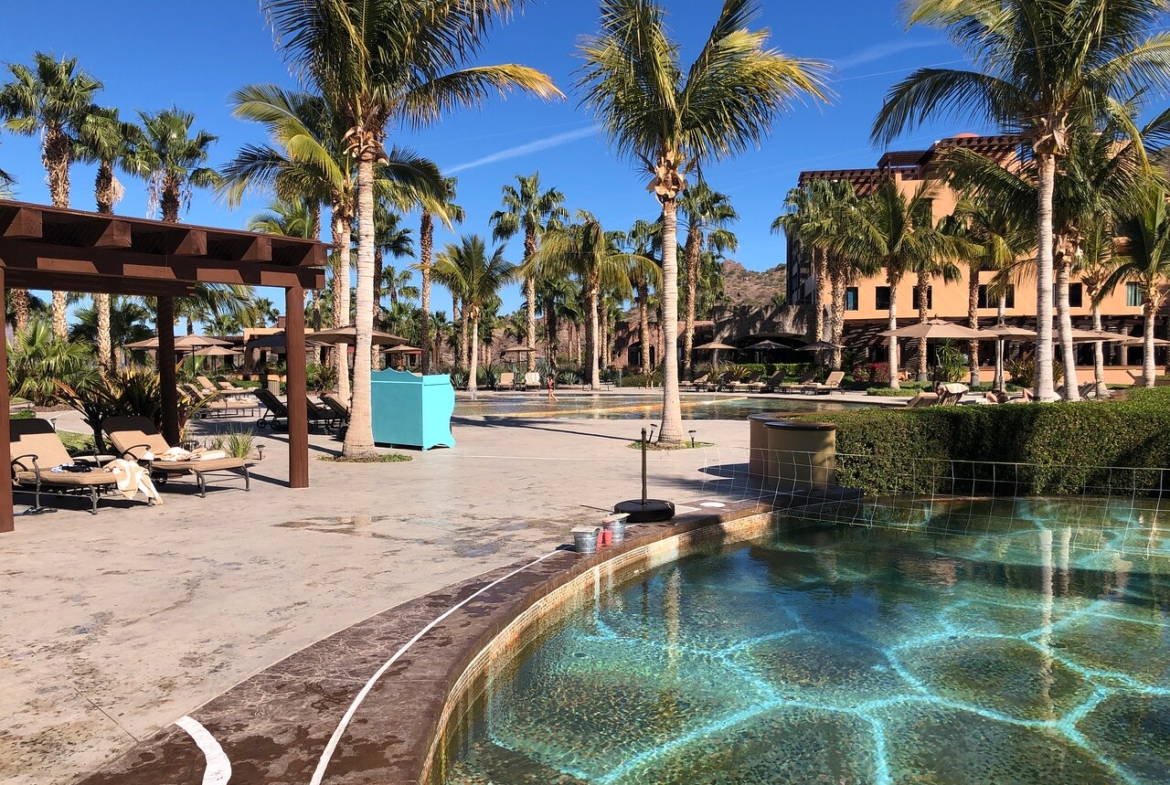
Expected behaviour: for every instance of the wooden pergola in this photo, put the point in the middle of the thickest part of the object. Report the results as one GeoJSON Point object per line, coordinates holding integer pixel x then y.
{"type": "Point", "coordinates": [75, 251]}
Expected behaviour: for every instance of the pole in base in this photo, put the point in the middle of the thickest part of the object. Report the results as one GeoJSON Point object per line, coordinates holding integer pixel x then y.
{"type": "Point", "coordinates": [645, 510]}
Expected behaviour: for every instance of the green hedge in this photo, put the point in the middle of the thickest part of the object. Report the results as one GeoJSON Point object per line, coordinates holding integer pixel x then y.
{"type": "Point", "coordinates": [1057, 448]}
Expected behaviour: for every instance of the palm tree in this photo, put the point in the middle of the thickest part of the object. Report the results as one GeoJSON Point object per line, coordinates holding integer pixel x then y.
{"type": "Point", "coordinates": [52, 99]}
{"type": "Point", "coordinates": [294, 218]}
{"type": "Point", "coordinates": [939, 263]}
{"type": "Point", "coordinates": [478, 278]}
{"type": "Point", "coordinates": [442, 205]}
{"type": "Point", "coordinates": [376, 63]}
{"type": "Point", "coordinates": [105, 140]}
{"type": "Point", "coordinates": [708, 215]}
{"type": "Point", "coordinates": [645, 240]}
{"type": "Point", "coordinates": [672, 120]}
{"type": "Point", "coordinates": [529, 210]}
{"type": "Point", "coordinates": [1143, 257]}
{"type": "Point", "coordinates": [1046, 66]}
{"type": "Point", "coordinates": [892, 232]}
{"type": "Point", "coordinates": [171, 160]}
{"type": "Point", "coordinates": [585, 250]}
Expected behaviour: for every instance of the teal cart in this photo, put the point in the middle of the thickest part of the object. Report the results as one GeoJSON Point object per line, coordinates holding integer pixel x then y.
{"type": "Point", "coordinates": [412, 411]}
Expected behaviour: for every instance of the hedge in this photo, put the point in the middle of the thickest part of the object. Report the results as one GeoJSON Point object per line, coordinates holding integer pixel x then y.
{"type": "Point", "coordinates": [1056, 448]}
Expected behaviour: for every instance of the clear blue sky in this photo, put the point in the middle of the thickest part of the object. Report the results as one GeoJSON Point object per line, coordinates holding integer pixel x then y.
{"type": "Point", "coordinates": [151, 55]}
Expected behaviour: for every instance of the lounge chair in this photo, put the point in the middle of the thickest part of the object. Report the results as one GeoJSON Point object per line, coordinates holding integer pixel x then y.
{"type": "Point", "coordinates": [340, 411]}
{"type": "Point", "coordinates": [749, 383]}
{"type": "Point", "coordinates": [136, 439]}
{"type": "Point", "coordinates": [276, 412]}
{"type": "Point", "coordinates": [217, 402]}
{"type": "Point", "coordinates": [721, 382]}
{"type": "Point", "coordinates": [774, 382]}
{"type": "Point", "coordinates": [699, 384]}
{"type": "Point", "coordinates": [922, 399]}
{"type": "Point", "coordinates": [829, 385]}
{"type": "Point", "coordinates": [808, 378]}
{"type": "Point", "coordinates": [532, 380]}
{"type": "Point", "coordinates": [951, 394]}
{"type": "Point", "coordinates": [224, 388]}
{"type": "Point", "coordinates": [38, 465]}
{"type": "Point", "coordinates": [505, 381]}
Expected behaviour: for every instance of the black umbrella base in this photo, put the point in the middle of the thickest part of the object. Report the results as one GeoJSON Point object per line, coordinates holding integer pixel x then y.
{"type": "Point", "coordinates": [648, 511]}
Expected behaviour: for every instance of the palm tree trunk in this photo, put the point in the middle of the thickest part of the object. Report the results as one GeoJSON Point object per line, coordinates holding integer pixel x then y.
{"type": "Point", "coordinates": [55, 157]}
{"type": "Point", "coordinates": [837, 280]}
{"type": "Point", "coordinates": [530, 298]}
{"type": "Point", "coordinates": [1149, 312]}
{"type": "Point", "coordinates": [426, 240]}
{"type": "Point", "coordinates": [1064, 318]}
{"type": "Point", "coordinates": [691, 252]}
{"type": "Point", "coordinates": [644, 326]}
{"type": "Point", "coordinates": [464, 347]}
{"type": "Point", "coordinates": [1044, 388]}
{"type": "Point", "coordinates": [359, 437]}
{"type": "Point", "coordinates": [472, 386]}
{"type": "Point", "coordinates": [892, 356]}
{"type": "Point", "coordinates": [105, 348]}
{"type": "Point", "coordinates": [923, 372]}
{"type": "Point", "coordinates": [973, 321]}
{"type": "Point", "coordinates": [591, 300]}
{"type": "Point", "coordinates": [340, 233]}
{"type": "Point", "coordinates": [1001, 313]}
{"type": "Point", "coordinates": [1099, 355]}
{"type": "Point", "coordinates": [672, 430]}
{"type": "Point", "coordinates": [19, 299]}
{"type": "Point", "coordinates": [820, 277]}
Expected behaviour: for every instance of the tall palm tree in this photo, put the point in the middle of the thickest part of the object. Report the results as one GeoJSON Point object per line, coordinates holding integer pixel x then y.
{"type": "Point", "coordinates": [585, 250]}
{"type": "Point", "coordinates": [431, 205]}
{"type": "Point", "coordinates": [708, 215]}
{"type": "Point", "coordinates": [941, 263]}
{"type": "Point", "coordinates": [645, 240]}
{"type": "Point", "coordinates": [892, 232]}
{"type": "Point", "coordinates": [1043, 67]}
{"type": "Point", "coordinates": [1143, 257]}
{"type": "Point", "coordinates": [171, 160]}
{"type": "Point", "coordinates": [671, 120]}
{"type": "Point", "coordinates": [478, 278]}
{"type": "Point", "coordinates": [383, 62]}
{"type": "Point", "coordinates": [52, 99]}
{"type": "Point", "coordinates": [529, 210]}
{"type": "Point", "coordinates": [104, 139]}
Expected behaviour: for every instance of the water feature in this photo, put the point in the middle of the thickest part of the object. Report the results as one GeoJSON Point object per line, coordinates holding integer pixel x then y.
{"type": "Point", "coordinates": [634, 407]}
{"type": "Point", "coordinates": [1010, 642]}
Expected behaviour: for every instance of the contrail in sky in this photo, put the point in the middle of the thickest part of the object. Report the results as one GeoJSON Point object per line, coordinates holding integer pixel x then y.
{"type": "Point", "coordinates": [524, 149]}
{"type": "Point", "coordinates": [879, 51]}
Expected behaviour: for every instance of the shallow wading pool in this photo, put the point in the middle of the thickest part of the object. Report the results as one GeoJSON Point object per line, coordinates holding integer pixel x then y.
{"type": "Point", "coordinates": [635, 407]}
{"type": "Point", "coordinates": [1024, 642]}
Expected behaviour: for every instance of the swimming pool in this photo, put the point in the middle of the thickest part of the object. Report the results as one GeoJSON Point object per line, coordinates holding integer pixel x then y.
{"type": "Point", "coordinates": [633, 407]}
{"type": "Point", "coordinates": [992, 643]}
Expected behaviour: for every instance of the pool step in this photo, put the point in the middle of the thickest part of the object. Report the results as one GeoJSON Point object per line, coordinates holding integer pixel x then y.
{"type": "Point", "coordinates": [501, 765]}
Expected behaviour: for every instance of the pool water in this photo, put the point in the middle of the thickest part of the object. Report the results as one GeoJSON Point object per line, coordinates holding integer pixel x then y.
{"type": "Point", "coordinates": [1019, 643]}
{"type": "Point", "coordinates": [634, 407]}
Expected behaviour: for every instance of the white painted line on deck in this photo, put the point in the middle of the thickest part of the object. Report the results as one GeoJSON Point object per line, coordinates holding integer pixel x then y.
{"type": "Point", "coordinates": [219, 768]}
{"type": "Point", "coordinates": [327, 754]}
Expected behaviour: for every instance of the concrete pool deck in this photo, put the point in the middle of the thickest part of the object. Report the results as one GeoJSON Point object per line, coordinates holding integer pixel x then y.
{"type": "Point", "coordinates": [118, 624]}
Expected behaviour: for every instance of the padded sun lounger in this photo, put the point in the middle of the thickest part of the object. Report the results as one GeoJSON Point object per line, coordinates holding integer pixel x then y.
{"type": "Point", "coordinates": [134, 437]}
{"type": "Point", "coordinates": [37, 451]}
{"type": "Point", "coordinates": [805, 380]}
{"type": "Point", "coordinates": [831, 384]}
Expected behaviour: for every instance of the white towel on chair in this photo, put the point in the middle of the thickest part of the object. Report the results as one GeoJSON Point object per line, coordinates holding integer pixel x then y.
{"type": "Point", "coordinates": [132, 478]}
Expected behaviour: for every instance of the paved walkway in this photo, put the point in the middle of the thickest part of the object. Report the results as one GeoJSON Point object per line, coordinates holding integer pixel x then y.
{"type": "Point", "coordinates": [116, 625]}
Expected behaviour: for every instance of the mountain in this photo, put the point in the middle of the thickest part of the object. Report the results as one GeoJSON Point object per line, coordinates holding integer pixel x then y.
{"type": "Point", "coordinates": [742, 286]}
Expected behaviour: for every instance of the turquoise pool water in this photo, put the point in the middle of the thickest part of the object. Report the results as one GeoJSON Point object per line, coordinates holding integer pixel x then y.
{"type": "Point", "coordinates": [994, 643]}
{"type": "Point", "coordinates": [633, 407]}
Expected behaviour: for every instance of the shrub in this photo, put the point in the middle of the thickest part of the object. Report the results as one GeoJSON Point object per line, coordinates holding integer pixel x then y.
{"type": "Point", "coordinates": [871, 373]}
{"type": "Point", "coordinates": [321, 377]}
{"type": "Point", "coordinates": [37, 360]}
{"type": "Point", "coordinates": [1067, 447]}
{"type": "Point", "coordinates": [641, 380]}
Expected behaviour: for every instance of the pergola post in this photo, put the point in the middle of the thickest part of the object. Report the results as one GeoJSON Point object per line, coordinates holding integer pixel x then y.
{"type": "Point", "coordinates": [167, 381]}
{"type": "Point", "coordinates": [298, 414]}
{"type": "Point", "coordinates": [7, 522]}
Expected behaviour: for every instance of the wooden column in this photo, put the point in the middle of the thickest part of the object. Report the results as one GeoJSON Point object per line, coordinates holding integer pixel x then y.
{"type": "Point", "coordinates": [298, 414]}
{"type": "Point", "coordinates": [167, 380]}
{"type": "Point", "coordinates": [7, 523]}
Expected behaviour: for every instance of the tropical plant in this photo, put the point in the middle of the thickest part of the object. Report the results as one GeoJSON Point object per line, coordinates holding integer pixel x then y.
{"type": "Point", "coordinates": [708, 214]}
{"type": "Point", "coordinates": [374, 63]}
{"type": "Point", "coordinates": [644, 239]}
{"type": "Point", "coordinates": [477, 277]}
{"type": "Point", "coordinates": [672, 119]}
{"type": "Point", "coordinates": [171, 160]}
{"type": "Point", "coordinates": [37, 359]}
{"type": "Point", "coordinates": [128, 322]}
{"type": "Point", "coordinates": [529, 210]}
{"type": "Point", "coordinates": [1041, 69]}
{"type": "Point", "coordinates": [52, 99]}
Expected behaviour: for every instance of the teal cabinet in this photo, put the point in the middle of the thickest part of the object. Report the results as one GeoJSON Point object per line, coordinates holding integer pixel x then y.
{"type": "Point", "coordinates": [412, 411]}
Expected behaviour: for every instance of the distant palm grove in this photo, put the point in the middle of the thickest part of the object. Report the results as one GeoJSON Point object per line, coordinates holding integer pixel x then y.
{"type": "Point", "coordinates": [1075, 80]}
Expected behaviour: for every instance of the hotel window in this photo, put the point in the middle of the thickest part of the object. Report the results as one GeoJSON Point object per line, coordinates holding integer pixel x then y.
{"type": "Point", "coordinates": [851, 298]}
{"type": "Point", "coordinates": [929, 298]}
{"type": "Point", "coordinates": [987, 301]}
{"type": "Point", "coordinates": [882, 298]}
{"type": "Point", "coordinates": [1075, 297]}
{"type": "Point", "coordinates": [1133, 295]}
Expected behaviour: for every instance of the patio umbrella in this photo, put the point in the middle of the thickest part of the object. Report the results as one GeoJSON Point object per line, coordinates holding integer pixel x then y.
{"type": "Point", "coordinates": [519, 350]}
{"type": "Point", "coordinates": [278, 342]}
{"type": "Point", "coordinates": [216, 351]}
{"type": "Point", "coordinates": [713, 347]}
{"type": "Point", "coordinates": [1004, 333]}
{"type": "Point", "coordinates": [348, 334]}
{"type": "Point", "coordinates": [195, 341]}
{"type": "Point", "coordinates": [819, 346]}
{"type": "Point", "coordinates": [936, 328]}
{"type": "Point", "coordinates": [765, 345]}
{"type": "Point", "coordinates": [148, 343]}
{"type": "Point", "coordinates": [402, 350]}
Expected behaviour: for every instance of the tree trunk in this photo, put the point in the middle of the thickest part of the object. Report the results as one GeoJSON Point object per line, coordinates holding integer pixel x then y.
{"type": "Point", "coordinates": [820, 276]}
{"type": "Point", "coordinates": [359, 437]}
{"type": "Point", "coordinates": [591, 298]}
{"type": "Point", "coordinates": [171, 198]}
{"type": "Point", "coordinates": [923, 371]}
{"type": "Point", "coordinates": [1001, 313]}
{"type": "Point", "coordinates": [606, 348]}
{"type": "Point", "coordinates": [19, 299]}
{"type": "Point", "coordinates": [644, 326]}
{"type": "Point", "coordinates": [892, 355]}
{"type": "Point", "coordinates": [105, 345]}
{"type": "Point", "coordinates": [473, 372]}
{"type": "Point", "coordinates": [1044, 388]}
{"type": "Point", "coordinates": [426, 240]}
{"type": "Point", "coordinates": [464, 347]}
{"type": "Point", "coordinates": [55, 156]}
{"type": "Point", "coordinates": [671, 432]}
{"type": "Point", "coordinates": [1150, 312]}
{"type": "Point", "coordinates": [1064, 317]}
{"type": "Point", "coordinates": [530, 298]}
{"type": "Point", "coordinates": [838, 280]}
{"type": "Point", "coordinates": [340, 285]}
{"type": "Point", "coordinates": [692, 252]}
{"type": "Point", "coordinates": [1099, 355]}
{"type": "Point", "coordinates": [973, 321]}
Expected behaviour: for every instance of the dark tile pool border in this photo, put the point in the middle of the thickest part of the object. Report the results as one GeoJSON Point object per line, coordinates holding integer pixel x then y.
{"type": "Point", "coordinates": [274, 726]}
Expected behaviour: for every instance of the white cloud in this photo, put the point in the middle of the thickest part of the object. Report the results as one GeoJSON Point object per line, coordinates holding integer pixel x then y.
{"type": "Point", "coordinates": [881, 51]}
{"type": "Point", "coordinates": [530, 147]}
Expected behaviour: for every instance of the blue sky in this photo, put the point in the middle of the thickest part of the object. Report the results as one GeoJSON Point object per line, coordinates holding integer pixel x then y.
{"type": "Point", "coordinates": [152, 55]}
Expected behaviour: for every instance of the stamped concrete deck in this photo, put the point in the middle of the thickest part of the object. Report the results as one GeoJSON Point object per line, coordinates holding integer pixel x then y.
{"type": "Point", "coordinates": [118, 624]}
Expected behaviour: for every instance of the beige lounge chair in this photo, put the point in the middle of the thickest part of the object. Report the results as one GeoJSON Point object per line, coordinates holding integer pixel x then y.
{"type": "Point", "coordinates": [721, 382]}
{"type": "Point", "coordinates": [532, 380]}
{"type": "Point", "coordinates": [700, 383]}
{"type": "Point", "coordinates": [829, 385]}
{"type": "Point", "coordinates": [36, 451]}
{"type": "Point", "coordinates": [506, 381]}
{"type": "Point", "coordinates": [134, 437]}
{"type": "Point", "coordinates": [774, 382]}
{"type": "Point", "coordinates": [923, 399]}
{"type": "Point", "coordinates": [805, 380]}
{"type": "Point", "coordinates": [749, 383]}
{"type": "Point", "coordinates": [225, 388]}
